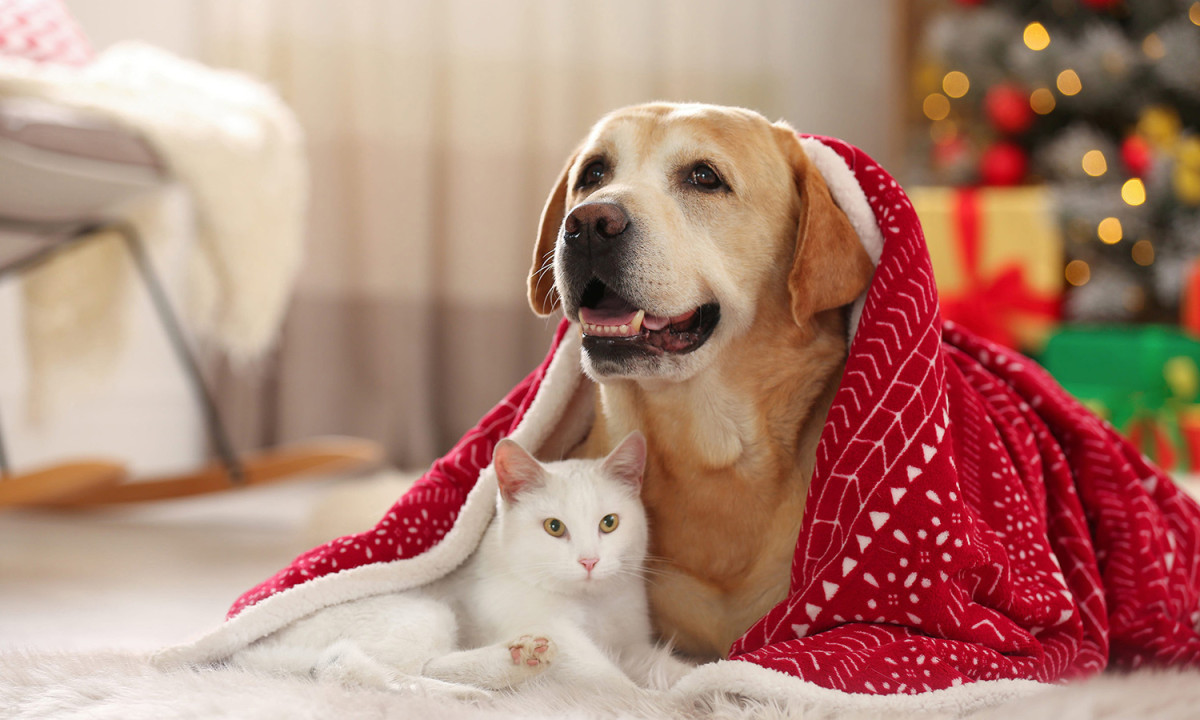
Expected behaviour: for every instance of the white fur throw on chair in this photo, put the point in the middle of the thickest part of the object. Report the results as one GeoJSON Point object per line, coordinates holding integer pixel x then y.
{"type": "Point", "coordinates": [236, 149]}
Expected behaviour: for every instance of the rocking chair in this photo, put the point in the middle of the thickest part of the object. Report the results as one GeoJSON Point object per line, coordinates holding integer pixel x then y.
{"type": "Point", "coordinates": [60, 173]}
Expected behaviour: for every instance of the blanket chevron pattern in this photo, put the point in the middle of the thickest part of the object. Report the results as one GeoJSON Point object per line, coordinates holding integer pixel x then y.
{"type": "Point", "coordinates": [967, 521]}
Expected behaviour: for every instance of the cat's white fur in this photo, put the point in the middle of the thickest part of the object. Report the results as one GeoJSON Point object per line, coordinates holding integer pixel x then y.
{"type": "Point", "coordinates": [526, 603]}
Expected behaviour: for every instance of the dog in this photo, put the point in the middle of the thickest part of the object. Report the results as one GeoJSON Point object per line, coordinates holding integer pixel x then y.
{"type": "Point", "coordinates": [711, 275]}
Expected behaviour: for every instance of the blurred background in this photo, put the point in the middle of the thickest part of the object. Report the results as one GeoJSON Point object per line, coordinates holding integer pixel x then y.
{"type": "Point", "coordinates": [434, 132]}
{"type": "Point", "coordinates": [1055, 163]}
{"type": "Point", "coordinates": [1051, 147]}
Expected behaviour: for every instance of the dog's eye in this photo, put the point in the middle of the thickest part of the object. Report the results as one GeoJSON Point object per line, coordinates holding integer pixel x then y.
{"type": "Point", "coordinates": [593, 174]}
{"type": "Point", "coordinates": [705, 178]}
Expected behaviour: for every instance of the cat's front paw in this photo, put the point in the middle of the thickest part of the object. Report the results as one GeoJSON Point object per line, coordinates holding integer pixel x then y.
{"type": "Point", "coordinates": [532, 652]}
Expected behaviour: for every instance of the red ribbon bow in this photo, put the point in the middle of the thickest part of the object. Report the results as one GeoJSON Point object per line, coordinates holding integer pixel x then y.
{"type": "Point", "coordinates": [988, 306]}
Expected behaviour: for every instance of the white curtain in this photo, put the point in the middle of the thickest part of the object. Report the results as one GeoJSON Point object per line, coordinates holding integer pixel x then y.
{"type": "Point", "coordinates": [435, 129]}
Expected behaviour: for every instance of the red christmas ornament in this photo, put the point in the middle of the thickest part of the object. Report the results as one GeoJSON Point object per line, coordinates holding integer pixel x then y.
{"type": "Point", "coordinates": [1007, 107]}
{"type": "Point", "coordinates": [970, 3]}
{"type": "Point", "coordinates": [1102, 4]}
{"type": "Point", "coordinates": [1136, 154]}
{"type": "Point", "coordinates": [1004, 163]}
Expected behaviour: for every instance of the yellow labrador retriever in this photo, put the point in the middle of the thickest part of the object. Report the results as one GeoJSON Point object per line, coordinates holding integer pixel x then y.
{"type": "Point", "coordinates": [710, 273]}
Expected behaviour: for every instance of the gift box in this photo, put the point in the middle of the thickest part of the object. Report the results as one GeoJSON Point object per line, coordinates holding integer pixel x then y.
{"type": "Point", "coordinates": [997, 259]}
{"type": "Point", "coordinates": [1145, 380]}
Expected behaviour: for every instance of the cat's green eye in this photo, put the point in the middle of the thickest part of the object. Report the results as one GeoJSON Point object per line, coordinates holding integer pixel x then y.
{"type": "Point", "coordinates": [609, 523]}
{"type": "Point", "coordinates": [555, 527]}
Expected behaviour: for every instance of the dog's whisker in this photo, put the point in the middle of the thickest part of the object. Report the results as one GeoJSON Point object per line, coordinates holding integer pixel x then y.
{"type": "Point", "coordinates": [546, 266]}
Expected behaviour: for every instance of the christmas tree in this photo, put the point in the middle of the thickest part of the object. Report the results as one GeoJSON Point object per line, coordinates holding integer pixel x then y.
{"type": "Point", "coordinates": [1097, 99]}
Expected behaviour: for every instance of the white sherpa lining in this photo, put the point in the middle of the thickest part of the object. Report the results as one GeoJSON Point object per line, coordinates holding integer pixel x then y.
{"type": "Point", "coordinates": [849, 196]}
{"type": "Point", "coordinates": [744, 679]}
{"type": "Point", "coordinates": [545, 413]}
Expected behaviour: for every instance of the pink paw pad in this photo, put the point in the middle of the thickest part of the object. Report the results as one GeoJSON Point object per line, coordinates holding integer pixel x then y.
{"type": "Point", "coordinates": [531, 651]}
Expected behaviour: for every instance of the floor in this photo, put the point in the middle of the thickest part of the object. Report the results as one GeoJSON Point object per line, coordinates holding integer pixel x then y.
{"type": "Point", "coordinates": [144, 577]}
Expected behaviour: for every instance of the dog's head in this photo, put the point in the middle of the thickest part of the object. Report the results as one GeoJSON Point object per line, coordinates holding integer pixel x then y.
{"type": "Point", "coordinates": [672, 226]}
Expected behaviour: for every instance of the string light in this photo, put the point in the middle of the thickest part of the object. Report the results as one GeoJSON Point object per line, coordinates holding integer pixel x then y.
{"type": "Point", "coordinates": [1143, 253]}
{"type": "Point", "coordinates": [956, 84]}
{"type": "Point", "coordinates": [1133, 192]}
{"type": "Point", "coordinates": [1068, 82]}
{"type": "Point", "coordinates": [1036, 36]}
{"type": "Point", "coordinates": [936, 106]}
{"type": "Point", "coordinates": [1094, 163]}
{"type": "Point", "coordinates": [1109, 231]}
{"type": "Point", "coordinates": [1078, 273]}
{"type": "Point", "coordinates": [1194, 13]}
{"type": "Point", "coordinates": [1042, 101]}
{"type": "Point", "coordinates": [1153, 48]}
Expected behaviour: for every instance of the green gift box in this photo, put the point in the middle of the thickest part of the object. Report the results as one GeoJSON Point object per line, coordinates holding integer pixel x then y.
{"type": "Point", "coordinates": [1143, 379]}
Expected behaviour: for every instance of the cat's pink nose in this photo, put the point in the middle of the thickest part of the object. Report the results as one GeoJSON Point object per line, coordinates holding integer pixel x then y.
{"type": "Point", "coordinates": [589, 563]}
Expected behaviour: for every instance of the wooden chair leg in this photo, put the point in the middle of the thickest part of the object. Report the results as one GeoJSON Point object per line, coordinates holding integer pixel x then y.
{"type": "Point", "coordinates": [91, 483]}
{"type": "Point", "coordinates": [50, 484]}
{"type": "Point", "coordinates": [324, 456]}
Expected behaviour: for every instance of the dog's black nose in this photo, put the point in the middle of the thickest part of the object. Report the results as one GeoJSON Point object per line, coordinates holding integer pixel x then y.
{"type": "Point", "coordinates": [595, 220]}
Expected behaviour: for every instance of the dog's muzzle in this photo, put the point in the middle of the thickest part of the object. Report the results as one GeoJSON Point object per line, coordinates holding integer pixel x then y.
{"type": "Point", "coordinates": [597, 247]}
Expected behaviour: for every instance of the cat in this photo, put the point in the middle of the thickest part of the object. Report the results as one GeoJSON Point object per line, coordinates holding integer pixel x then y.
{"type": "Point", "coordinates": [555, 587]}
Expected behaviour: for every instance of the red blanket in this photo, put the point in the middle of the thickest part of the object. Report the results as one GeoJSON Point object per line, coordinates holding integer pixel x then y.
{"type": "Point", "coordinates": [967, 520]}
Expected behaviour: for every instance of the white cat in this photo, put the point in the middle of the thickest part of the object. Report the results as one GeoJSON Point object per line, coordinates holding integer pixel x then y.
{"type": "Point", "coordinates": [555, 585]}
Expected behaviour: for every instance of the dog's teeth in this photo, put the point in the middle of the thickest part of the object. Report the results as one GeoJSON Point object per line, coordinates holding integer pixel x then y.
{"type": "Point", "coordinates": [625, 330]}
{"type": "Point", "coordinates": [636, 325]}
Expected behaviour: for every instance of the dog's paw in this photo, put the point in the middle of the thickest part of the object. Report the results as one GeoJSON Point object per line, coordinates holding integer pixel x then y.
{"type": "Point", "coordinates": [533, 653]}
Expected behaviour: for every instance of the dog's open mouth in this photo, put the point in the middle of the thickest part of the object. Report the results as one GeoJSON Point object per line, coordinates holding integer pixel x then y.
{"type": "Point", "coordinates": [610, 321]}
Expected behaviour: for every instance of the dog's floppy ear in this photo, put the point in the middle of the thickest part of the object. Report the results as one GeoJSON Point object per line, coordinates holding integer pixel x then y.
{"type": "Point", "coordinates": [543, 298]}
{"type": "Point", "coordinates": [830, 267]}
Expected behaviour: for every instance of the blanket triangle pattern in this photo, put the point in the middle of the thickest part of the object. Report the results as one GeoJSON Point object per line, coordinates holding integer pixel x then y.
{"type": "Point", "coordinates": [967, 520]}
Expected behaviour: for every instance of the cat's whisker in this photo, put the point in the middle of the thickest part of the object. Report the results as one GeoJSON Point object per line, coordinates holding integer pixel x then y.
{"type": "Point", "coordinates": [657, 561]}
{"type": "Point", "coordinates": [648, 572]}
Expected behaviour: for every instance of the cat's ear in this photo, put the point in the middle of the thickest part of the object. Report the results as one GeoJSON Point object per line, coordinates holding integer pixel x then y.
{"type": "Point", "coordinates": [516, 469]}
{"type": "Point", "coordinates": [627, 461]}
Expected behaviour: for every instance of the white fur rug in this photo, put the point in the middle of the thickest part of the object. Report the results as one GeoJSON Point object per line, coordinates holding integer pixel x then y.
{"type": "Point", "coordinates": [128, 687]}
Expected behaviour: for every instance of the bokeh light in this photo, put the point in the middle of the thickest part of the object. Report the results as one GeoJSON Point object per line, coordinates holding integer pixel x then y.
{"type": "Point", "coordinates": [1094, 163]}
{"type": "Point", "coordinates": [1078, 273]}
{"type": "Point", "coordinates": [1143, 253]}
{"type": "Point", "coordinates": [956, 84]}
{"type": "Point", "coordinates": [1068, 82]}
{"type": "Point", "coordinates": [1036, 36]}
{"type": "Point", "coordinates": [1042, 101]}
{"type": "Point", "coordinates": [1153, 48]}
{"type": "Point", "coordinates": [936, 106]}
{"type": "Point", "coordinates": [1109, 231]}
{"type": "Point", "coordinates": [1133, 192]}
